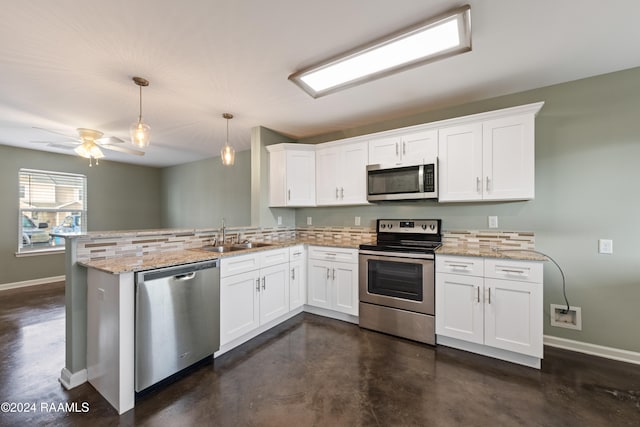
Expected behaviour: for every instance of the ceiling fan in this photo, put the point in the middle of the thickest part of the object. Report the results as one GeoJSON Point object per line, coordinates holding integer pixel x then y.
{"type": "Point", "coordinates": [89, 144]}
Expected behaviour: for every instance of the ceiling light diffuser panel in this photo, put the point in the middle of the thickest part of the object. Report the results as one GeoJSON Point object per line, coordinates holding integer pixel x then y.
{"type": "Point", "coordinates": [437, 38]}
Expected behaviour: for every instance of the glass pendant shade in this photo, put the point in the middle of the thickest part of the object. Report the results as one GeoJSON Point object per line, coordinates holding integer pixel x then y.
{"type": "Point", "coordinates": [140, 134]}
{"type": "Point", "coordinates": [228, 155]}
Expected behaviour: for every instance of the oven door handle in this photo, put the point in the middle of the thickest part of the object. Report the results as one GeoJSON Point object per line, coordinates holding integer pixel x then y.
{"type": "Point", "coordinates": [397, 254]}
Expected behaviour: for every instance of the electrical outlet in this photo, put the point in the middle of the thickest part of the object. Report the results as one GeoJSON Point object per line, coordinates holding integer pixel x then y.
{"type": "Point", "coordinates": [563, 318]}
{"type": "Point", "coordinates": [357, 220]}
{"type": "Point", "coordinates": [493, 222]}
{"type": "Point", "coordinates": [605, 246]}
{"type": "Point", "coordinates": [309, 220]}
{"type": "Point", "coordinates": [279, 220]}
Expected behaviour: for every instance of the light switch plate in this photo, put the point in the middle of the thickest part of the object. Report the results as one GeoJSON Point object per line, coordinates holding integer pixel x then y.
{"type": "Point", "coordinates": [493, 222]}
{"type": "Point", "coordinates": [605, 246]}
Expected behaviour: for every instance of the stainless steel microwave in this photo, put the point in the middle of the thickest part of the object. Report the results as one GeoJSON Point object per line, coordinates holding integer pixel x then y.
{"type": "Point", "coordinates": [402, 182]}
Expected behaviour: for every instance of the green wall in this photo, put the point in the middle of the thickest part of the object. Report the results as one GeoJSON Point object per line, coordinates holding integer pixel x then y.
{"type": "Point", "coordinates": [587, 179]}
{"type": "Point", "coordinates": [119, 197]}
{"type": "Point", "coordinates": [199, 194]}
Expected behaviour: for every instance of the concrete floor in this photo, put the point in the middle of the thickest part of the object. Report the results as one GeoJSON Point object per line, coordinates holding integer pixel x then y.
{"type": "Point", "coordinates": [313, 371]}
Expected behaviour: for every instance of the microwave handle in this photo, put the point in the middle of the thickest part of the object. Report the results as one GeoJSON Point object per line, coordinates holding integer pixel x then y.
{"type": "Point", "coordinates": [421, 179]}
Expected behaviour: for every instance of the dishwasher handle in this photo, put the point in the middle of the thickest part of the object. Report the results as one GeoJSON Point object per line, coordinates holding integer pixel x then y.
{"type": "Point", "coordinates": [177, 271]}
{"type": "Point", "coordinates": [184, 277]}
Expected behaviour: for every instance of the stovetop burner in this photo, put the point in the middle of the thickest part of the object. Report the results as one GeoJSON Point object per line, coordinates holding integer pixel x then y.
{"type": "Point", "coordinates": [409, 236]}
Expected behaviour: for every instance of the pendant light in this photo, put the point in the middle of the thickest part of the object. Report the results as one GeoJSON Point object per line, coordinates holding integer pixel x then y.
{"type": "Point", "coordinates": [140, 132]}
{"type": "Point", "coordinates": [228, 153]}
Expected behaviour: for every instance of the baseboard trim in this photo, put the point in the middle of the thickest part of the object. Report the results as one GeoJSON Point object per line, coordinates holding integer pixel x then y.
{"type": "Point", "coordinates": [33, 282]}
{"type": "Point", "coordinates": [593, 349]}
{"type": "Point", "coordinates": [331, 314]}
{"type": "Point", "coordinates": [70, 380]}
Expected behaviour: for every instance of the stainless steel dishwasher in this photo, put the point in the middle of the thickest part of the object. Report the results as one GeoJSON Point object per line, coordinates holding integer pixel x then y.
{"type": "Point", "coordinates": [177, 319]}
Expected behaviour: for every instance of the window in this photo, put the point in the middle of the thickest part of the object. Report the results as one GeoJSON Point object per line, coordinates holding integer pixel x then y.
{"type": "Point", "coordinates": [50, 202]}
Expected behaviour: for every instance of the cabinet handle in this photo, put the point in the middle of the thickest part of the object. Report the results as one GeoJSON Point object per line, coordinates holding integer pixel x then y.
{"type": "Point", "coordinates": [328, 273]}
{"type": "Point", "coordinates": [297, 253]}
{"type": "Point", "coordinates": [293, 274]}
{"type": "Point", "coordinates": [512, 271]}
{"type": "Point", "coordinates": [264, 283]}
{"type": "Point", "coordinates": [397, 149]}
{"type": "Point", "coordinates": [258, 284]}
{"type": "Point", "coordinates": [478, 184]}
{"type": "Point", "coordinates": [334, 274]}
{"type": "Point", "coordinates": [336, 192]}
{"type": "Point", "coordinates": [288, 194]}
{"type": "Point", "coordinates": [462, 266]}
{"type": "Point", "coordinates": [478, 293]}
{"type": "Point", "coordinates": [487, 183]}
{"type": "Point", "coordinates": [489, 295]}
{"type": "Point", "coordinates": [342, 192]}
{"type": "Point", "coordinates": [404, 147]}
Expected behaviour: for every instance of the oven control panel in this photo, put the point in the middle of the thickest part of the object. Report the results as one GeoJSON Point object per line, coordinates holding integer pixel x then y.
{"type": "Point", "coordinates": [420, 226]}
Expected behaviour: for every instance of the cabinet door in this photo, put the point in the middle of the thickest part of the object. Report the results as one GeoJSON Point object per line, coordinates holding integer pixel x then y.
{"type": "Point", "coordinates": [508, 158]}
{"type": "Point", "coordinates": [277, 179]}
{"type": "Point", "coordinates": [345, 287]}
{"type": "Point", "coordinates": [353, 173]}
{"type": "Point", "coordinates": [301, 178]}
{"type": "Point", "coordinates": [327, 191]}
{"type": "Point", "coordinates": [319, 284]}
{"type": "Point", "coordinates": [297, 285]}
{"type": "Point", "coordinates": [274, 292]}
{"type": "Point", "coordinates": [513, 316]}
{"type": "Point", "coordinates": [384, 151]}
{"type": "Point", "coordinates": [239, 305]}
{"type": "Point", "coordinates": [459, 307]}
{"type": "Point", "coordinates": [460, 163]}
{"type": "Point", "coordinates": [419, 147]}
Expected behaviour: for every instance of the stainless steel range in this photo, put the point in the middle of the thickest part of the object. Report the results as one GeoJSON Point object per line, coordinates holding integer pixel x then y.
{"type": "Point", "coordinates": [397, 275]}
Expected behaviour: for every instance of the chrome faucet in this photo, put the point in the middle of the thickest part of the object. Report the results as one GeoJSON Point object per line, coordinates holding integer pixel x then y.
{"type": "Point", "coordinates": [224, 240]}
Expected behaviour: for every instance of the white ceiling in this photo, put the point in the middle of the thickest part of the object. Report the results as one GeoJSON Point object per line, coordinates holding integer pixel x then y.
{"type": "Point", "coordinates": [68, 63]}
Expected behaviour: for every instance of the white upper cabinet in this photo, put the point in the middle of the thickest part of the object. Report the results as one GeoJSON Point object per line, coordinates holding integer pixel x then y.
{"type": "Point", "coordinates": [404, 149]}
{"type": "Point", "coordinates": [508, 158]}
{"type": "Point", "coordinates": [341, 177]}
{"type": "Point", "coordinates": [491, 159]}
{"type": "Point", "coordinates": [292, 175]}
{"type": "Point", "coordinates": [460, 163]}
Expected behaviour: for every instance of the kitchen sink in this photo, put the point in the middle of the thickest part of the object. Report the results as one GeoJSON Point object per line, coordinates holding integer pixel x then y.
{"type": "Point", "coordinates": [225, 248]}
{"type": "Point", "coordinates": [235, 247]}
{"type": "Point", "coordinates": [249, 245]}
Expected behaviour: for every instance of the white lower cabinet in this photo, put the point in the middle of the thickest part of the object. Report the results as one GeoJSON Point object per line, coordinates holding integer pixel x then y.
{"type": "Point", "coordinates": [495, 304]}
{"type": "Point", "coordinates": [333, 279]}
{"type": "Point", "coordinates": [252, 297]}
{"type": "Point", "coordinates": [297, 278]}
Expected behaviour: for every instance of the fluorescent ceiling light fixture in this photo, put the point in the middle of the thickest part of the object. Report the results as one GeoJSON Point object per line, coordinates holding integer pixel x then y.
{"type": "Point", "coordinates": [437, 38]}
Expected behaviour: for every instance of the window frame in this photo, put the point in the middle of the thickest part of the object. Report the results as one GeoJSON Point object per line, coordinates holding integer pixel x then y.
{"type": "Point", "coordinates": [24, 211]}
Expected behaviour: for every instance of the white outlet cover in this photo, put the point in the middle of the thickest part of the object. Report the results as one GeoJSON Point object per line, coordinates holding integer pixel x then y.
{"type": "Point", "coordinates": [309, 220]}
{"type": "Point", "coordinates": [357, 220]}
{"type": "Point", "coordinates": [279, 220]}
{"type": "Point", "coordinates": [557, 317]}
{"type": "Point", "coordinates": [493, 222]}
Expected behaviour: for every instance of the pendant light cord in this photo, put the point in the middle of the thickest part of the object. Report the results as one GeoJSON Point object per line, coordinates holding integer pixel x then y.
{"type": "Point", "coordinates": [140, 115]}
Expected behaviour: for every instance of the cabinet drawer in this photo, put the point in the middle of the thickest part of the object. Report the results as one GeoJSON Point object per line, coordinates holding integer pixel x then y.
{"type": "Point", "coordinates": [296, 253]}
{"type": "Point", "coordinates": [472, 266]}
{"type": "Point", "coordinates": [524, 271]}
{"type": "Point", "coordinates": [238, 264]}
{"type": "Point", "coordinates": [273, 257]}
{"type": "Point", "coordinates": [333, 254]}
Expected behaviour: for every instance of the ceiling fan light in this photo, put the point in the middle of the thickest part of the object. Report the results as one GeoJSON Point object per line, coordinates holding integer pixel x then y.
{"type": "Point", "coordinates": [140, 134]}
{"type": "Point", "coordinates": [228, 155]}
{"type": "Point", "coordinates": [83, 150]}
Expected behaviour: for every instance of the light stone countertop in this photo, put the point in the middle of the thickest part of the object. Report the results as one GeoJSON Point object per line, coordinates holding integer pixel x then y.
{"type": "Point", "coordinates": [505, 253]}
{"type": "Point", "coordinates": [155, 260]}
